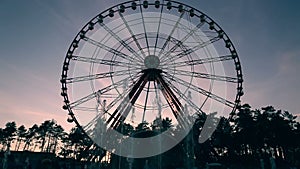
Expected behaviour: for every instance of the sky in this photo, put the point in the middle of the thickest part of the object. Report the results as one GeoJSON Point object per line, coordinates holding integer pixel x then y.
{"type": "Point", "coordinates": [35, 36]}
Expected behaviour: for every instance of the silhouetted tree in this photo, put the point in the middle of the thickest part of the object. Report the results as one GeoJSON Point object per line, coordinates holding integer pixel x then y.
{"type": "Point", "coordinates": [30, 137]}
{"type": "Point", "coordinates": [1, 139]}
{"type": "Point", "coordinates": [9, 133]}
{"type": "Point", "coordinates": [21, 135]}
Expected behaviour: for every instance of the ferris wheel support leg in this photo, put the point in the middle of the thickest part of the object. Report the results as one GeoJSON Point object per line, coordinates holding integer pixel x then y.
{"type": "Point", "coordinates": [126, 100]}
{"type": "Point", "coordinates": [124, 108]}
{"type": "Point", "coordinates": [132, 102]}
{"type": "Point", "coordinates": [173, 102]}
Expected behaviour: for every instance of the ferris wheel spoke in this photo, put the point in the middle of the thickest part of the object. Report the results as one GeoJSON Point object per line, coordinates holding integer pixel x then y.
{"type": "Point", "coordinates": [144, 26]}
{"type": "Point", "coordinates": [146, 100]}
{"type": "Point", "coordinates": [83, 100]}
{"type": "Point", "coordinates": [171, 34]}
{"type": "Point", "coordinates": [105, 62]}
{"type": "Point", "coordinates": [89, 109]}
{"type": "Point", "coordinates": [96, 76]}
{"type": "Point", "coordinates": [121, 41]}
{"type": "Point", "coordinates": [114, 85]}
{"type": "Point", "coordinates": [94, 121]}
{"type": "Point", "coordinates": [132, 34]}
{"type": "Point", "coordinates": [206, 76]}
{"type": "Point", "coordinates": [118, 98]}
{"type": "Point", "coordinates": [201, 61]}
{"type": "Point", "coordinates": [202, 91]}
{"type": "Point", "coordinates": [125, 113]}
{"type": "Point", "coordinates": [90, 123]}
{"type": "Point", "coordinates": [157, 97]}
{"type": "Point", "coordinates": [94, 94]}
{"type": "Point", "coordinates": [169, 58]}
{"type": "Point", "coordinates": [189, 101]}
{"type": "Point", "coordinates": [111, 50]}
{"type": "Point", "coordinates": [106, 109]}
{"type": "Point", "coordinates": [180, 42]}
{"type": "Point", "coordinates": [158, 30]}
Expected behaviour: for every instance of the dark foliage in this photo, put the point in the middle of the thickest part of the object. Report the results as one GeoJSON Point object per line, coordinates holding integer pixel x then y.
{"type": "Point", "coordinates": [247, 138]}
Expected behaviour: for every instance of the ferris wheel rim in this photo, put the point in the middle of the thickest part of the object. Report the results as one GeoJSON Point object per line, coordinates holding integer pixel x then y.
{"type": "Point", "coordinates": [116, 8]}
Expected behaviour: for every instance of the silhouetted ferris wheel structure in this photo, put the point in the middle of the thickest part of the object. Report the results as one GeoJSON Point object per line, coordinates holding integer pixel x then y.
{"type": "Point", "coordinates": [140, 60]}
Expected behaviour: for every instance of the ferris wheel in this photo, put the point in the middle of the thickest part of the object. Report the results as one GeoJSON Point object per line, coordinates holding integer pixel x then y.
{"type": "Point", "coordinates": [142, 60]}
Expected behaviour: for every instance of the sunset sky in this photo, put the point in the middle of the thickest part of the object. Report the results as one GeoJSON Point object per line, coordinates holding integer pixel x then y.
{"type": "Point", "coordinates": [35, 35]}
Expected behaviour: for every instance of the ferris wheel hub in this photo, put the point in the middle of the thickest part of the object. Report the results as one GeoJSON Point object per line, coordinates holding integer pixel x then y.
{"type": "Point", "coordinates": [151, 62]}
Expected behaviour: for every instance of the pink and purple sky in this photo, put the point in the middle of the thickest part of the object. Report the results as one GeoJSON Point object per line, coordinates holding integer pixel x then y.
{"type": "Point", "coordinates": [35, 35]}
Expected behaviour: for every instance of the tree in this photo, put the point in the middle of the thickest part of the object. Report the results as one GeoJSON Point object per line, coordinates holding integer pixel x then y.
{"type": "Point", "coordinates": [9, 133]}
{"type": "Point", "coordinates": [49, 133]}
{"type": "Point", "coordinates": [21, 136]}
{"type": "Point", "coordinates": [65, 149]}
{"type": "Point", "coordinates": [1, 138]}
{"type": "Point", "coordinates": [44, 131]}
{"type": "Point", "coordinates": [79, 147]}
{"type": "Point", "coordinates": [30, 136]}
{"type": "Point", "coordinates": [161, 125]}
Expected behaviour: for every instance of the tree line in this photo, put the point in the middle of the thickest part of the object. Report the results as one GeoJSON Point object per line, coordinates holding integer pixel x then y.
{"type": "Point", "coordinates": [247, 137]}
{"type": "Point", "coordinates": [251, 137]}
{"type": "Point", "coordinates": [49, 137]}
